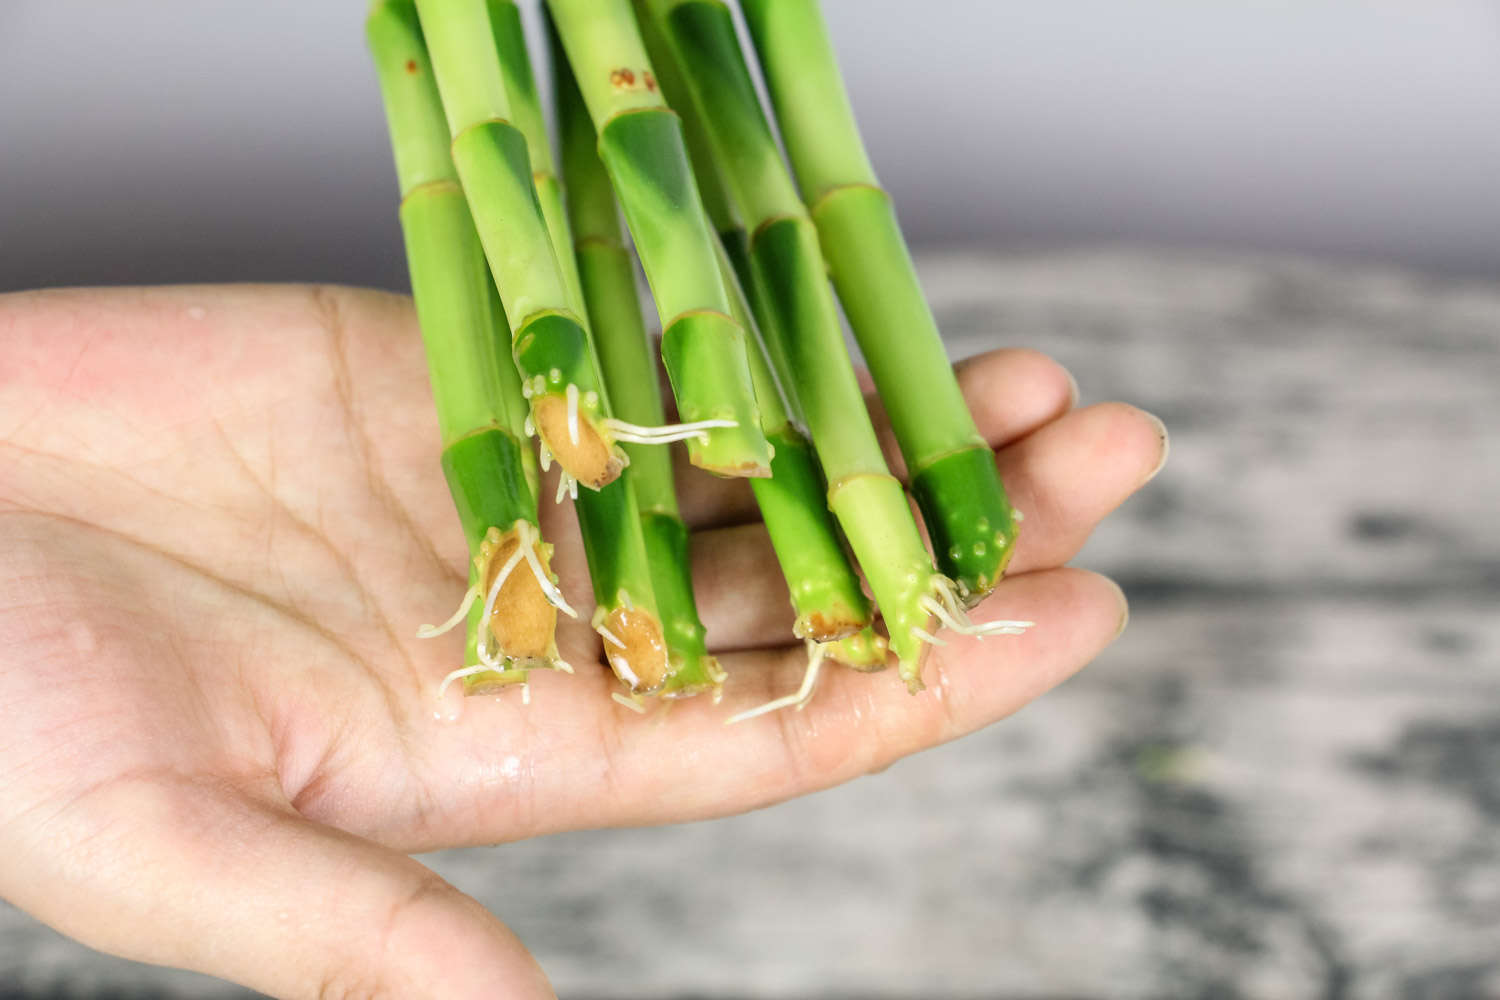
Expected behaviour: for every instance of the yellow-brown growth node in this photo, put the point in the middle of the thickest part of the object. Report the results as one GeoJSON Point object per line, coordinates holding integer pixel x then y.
{"type": "Point", "coordinates": [641, 659]}
{"type": "Point", "coordinates": [492, 682]}
{"type": "Point", "coordinates": [524, 621]}
{"type": "Point", "coordinates": [821, 627]}
{"type": "Point", "coordinates": [593, 461]}
{"type": "Point", "coordinates": [866, 653]}
{"type": "Point", "coordinates": [737, 470]}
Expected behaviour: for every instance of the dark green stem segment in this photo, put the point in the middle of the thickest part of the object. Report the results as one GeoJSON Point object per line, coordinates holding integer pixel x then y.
{"type": "Point", "coordinates": [953, 472]}
{"type": "Point", "coordinates": [473, 382]}
{"type": "Point", "coordinates": [640, 142]}
{"type": "Point", "coordinates": [608, 287]}
{"type": "Point", "coordinates": [788, 273]}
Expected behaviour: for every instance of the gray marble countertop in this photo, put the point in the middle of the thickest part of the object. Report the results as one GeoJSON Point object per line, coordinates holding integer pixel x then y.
{"type": "Point", "coordinates": [1284, 781]}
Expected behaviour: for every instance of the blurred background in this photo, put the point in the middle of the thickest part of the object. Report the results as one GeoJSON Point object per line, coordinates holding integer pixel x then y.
{"type": "Point", "coordinates": [1272, 223]}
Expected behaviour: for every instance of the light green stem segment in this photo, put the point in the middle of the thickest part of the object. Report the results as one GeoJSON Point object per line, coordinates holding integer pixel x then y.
{"type": "Point", "coordinates": [788, 272]}
{"type": "Point", "coordinates": [526, 109]}
{"type": "Point", "coordinates": [474, 385]}
{"type": "Point", "coordinates": [549, 341]}
{"type": "Point", "coordinates": [608, 281]}
{"type": "Point", "coordinates": [824, 588]}
{"type": "Point", "coordinates": [953, 473]}
{"type": "Point", "coordinates": [641, 144]}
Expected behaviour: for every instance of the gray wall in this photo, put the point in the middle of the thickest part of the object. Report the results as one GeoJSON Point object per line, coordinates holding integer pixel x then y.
{"type": "Point", "coordinates": [176, 140]}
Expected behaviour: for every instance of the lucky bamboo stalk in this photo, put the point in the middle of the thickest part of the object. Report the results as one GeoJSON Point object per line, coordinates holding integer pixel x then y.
{"type": "Point", "coordinates": [953, 473]}
{"type": "Point", "coordinates": [787, 268]}
{"type": "Point", "coordinates": [626, 612]}
{"type": "Point", "coordinates": [510, 611]}
{"type": "Point", "coordinates": [549, 342]}
{"type": "Point", "coordinates": [608, 280]}
{"type": "Point", "coordinates": [640, 143]}
{"type": "Point", "coordinates": [824, 588]}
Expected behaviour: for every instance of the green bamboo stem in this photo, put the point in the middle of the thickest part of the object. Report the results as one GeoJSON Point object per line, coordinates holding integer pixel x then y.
{"type": "Point", "coordinates": [549, 341]}
{"type": "Point", "coordinates": [953, 472]}
{"type": "Point", "coordinates": [640, 143]}
{"type": "Point", "coordinates": [608, 281]}
{"type": "Point", "coordinates": [824, 587]}
{"type": "Point", "coordinates": [788, 270]}
{"type": "Point", "coordinates": [615, 542]}
{"type": "Point", "coordinates": [475, 389]}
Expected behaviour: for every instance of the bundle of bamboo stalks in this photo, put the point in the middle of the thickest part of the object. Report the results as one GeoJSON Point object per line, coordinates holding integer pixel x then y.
{"type": "Point", "coordinates": [538, 352]}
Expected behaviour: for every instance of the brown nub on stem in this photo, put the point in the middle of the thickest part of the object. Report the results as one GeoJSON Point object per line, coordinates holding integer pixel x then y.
{"type": "Point", "coordinates": [524, 621]}
{"type": "Point", "coordinates": [492, 682]}
{"type": "Point", "coordinates": [640, 658]}
{"type": "Point", "coordinates": [738, 470]}
{"type": "Point", "coordinates": [592, 461]}
{"type": "Point", "coordinates": [821, 627]}
{"type": "Point", "coordinates": [865, 653]}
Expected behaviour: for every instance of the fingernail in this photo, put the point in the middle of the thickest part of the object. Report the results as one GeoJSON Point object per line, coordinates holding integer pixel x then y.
{"type": "Point", "coordinates": [1072, 389]}
{"type": "Point", "coordinates": [1166, 446]}
{"type": "Point", "coordinates": [1124, 609]}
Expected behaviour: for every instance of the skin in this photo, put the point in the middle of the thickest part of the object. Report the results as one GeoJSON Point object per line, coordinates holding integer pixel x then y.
{"type": "Point", "coordinates": [221, 520]}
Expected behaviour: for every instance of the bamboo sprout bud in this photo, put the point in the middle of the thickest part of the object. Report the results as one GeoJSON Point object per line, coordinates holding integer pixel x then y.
{"type": "Point", "coordinates": [577, 445]}
{"type": "Point", "coordinates": [635, 648]}
{"type": "Point", "coordinates": [523, 618]}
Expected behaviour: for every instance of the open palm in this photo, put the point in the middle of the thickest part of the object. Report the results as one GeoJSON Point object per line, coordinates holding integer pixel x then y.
{"type": "Point", "coordinates": [222, 519]}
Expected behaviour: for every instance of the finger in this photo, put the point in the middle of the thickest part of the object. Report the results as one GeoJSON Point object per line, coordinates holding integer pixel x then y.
{"type": "Point", "coordinates": [1011, 392]}
{"type": "Point", "coordinates": [202, 878]}
{"type": "Point", "coordinates": [856, 722]}
{"type": "Point", "coordinates": [1065, 478]}
{"type": "Point", "coordinates": [741, 593]}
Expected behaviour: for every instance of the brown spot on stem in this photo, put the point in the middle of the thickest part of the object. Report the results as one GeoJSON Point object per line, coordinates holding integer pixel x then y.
{"type": "Point", "coordinates": [592, 461]}
{"type": "Point", "coordinates": [735, 470]}
{"type": "Point", "coordinates": [622, 78]}
{"type": "Point", "coordinates": [827, 626]}
{"type": "Point", "coordinates": [649, 80]}
{"type": "Point", "coordinates": [411, 65]}
{"type": "Point", "coordinates": [641, 662]}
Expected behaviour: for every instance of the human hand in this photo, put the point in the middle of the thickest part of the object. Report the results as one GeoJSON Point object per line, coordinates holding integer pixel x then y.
{"type": "Point", "coordinates": [222, 518]}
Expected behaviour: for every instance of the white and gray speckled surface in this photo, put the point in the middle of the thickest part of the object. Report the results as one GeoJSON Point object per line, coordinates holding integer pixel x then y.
{"type": "Point", "coordinates": [1284, 781]}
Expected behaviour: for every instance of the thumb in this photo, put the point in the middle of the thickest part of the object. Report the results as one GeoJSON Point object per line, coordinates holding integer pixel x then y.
{"type": "Point", "coordinates": [254, 893]}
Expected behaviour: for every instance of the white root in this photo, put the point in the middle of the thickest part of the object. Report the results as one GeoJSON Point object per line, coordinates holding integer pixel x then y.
{"type": "Point", "coordinates": [528, 426]}
{"type": "Point", "coordinates": [462, 672]}
{"type": "Point", "coordinates": [636, 704]}
{"type": "Point", "coordinates": [610, 636]}
{"type": "Point", "coordinates": [951, 613]}
{"type": "Point", "coordinates": [525, 694]}
{"type": "Point", "coordinates": [567, 486]}
{"type": "Point", "coordinates": [572, 397]}
{"type": "Point", "coordinates": [529, 536]}
{"type": "Point", "coordinates": [543, 455]}
{"type": "Point", "coordinates": [621, 430]}
{"type": "Point", "coordinates": [432, 631]}
{"type": "Point", "coordinates": [927, 637]}
{"type": "Point", "coordinates": [799, 698]}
